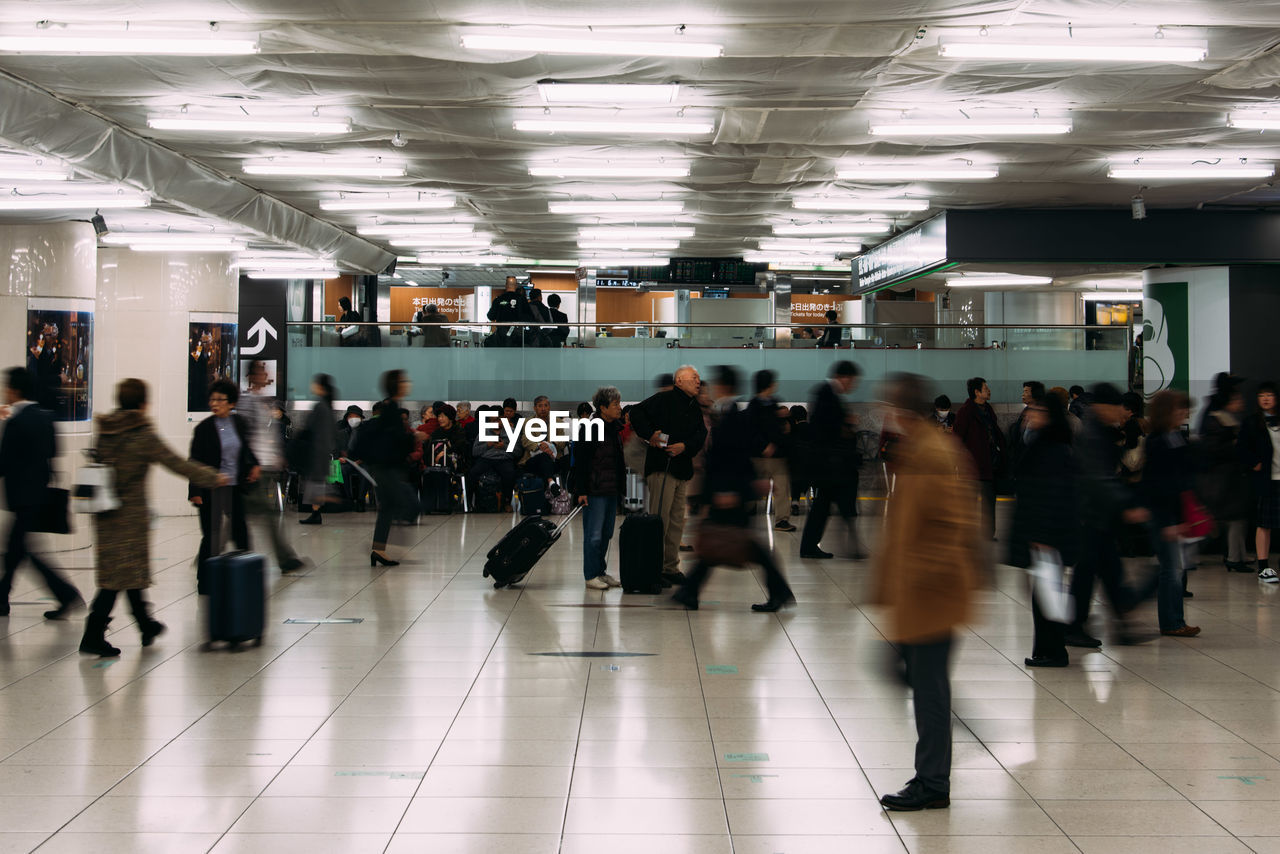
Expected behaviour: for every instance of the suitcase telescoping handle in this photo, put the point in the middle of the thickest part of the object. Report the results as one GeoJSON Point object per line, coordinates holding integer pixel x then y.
{"type": "Point", "coordinates": [577, 508]}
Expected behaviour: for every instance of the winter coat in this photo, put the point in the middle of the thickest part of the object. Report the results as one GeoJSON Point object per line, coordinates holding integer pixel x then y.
{"type": "Point", "coordinates": [1255, 450]}
{"type": "Point", "coordinates": [1045, 511]}
{"type": "Point", "coordinates": [680, 417]}
{"type": "Point", "coordinates": [598, 467]}
{"type": "Point", "coordinates": [977, 428]}
{"type": "Point", "coordinates": [127, 441]}
{"type": "Point", "coordinates": [1224, 483]}
{"type": "Point", "coordinates": [927, 566]}
{"type": "Point", "coordinates": [1169, 472]}
{"type": "Point", "coordinates": [323, 436]}
{"type": "Point", "coordinates": [1101, 496]}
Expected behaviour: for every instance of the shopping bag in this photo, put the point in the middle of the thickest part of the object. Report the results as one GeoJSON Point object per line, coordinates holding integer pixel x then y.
{"type": "Point", "coordinates": [335, 472]}
{"type": "Point", "coordinates": [1196, 521]}
{"type": "Point", "coordinates": [95, 489]}
{"type": "Point", "coordinates": [1052, 592]}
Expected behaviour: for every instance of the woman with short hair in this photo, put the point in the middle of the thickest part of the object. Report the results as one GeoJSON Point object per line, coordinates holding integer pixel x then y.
{"type": "Point", "coordinates": [597, 482]}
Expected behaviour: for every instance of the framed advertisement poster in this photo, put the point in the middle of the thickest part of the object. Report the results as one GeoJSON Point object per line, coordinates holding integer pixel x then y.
{"type": "Point", "coordinates": [212, 355]}
{"type": "Point", "coordinates": [60, 356]}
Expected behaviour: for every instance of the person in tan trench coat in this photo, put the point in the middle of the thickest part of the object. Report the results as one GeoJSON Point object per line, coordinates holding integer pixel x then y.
{"type": "Point", "coordinates": [926, 571]}
{"type": "Point", "coordinates": [127, 441]}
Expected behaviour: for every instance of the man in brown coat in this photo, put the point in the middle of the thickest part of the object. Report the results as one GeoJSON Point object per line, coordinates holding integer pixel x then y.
{"type": "Point", "coordinates": [925, 573]}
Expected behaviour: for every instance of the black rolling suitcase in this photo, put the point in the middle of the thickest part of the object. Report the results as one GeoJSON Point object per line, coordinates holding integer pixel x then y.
{"type": "Point", "coordinates": [640, 550]}
{"type": "Point", "coordinates": [515, 554]}
{"type": "Point", "coordinates": [236, 585]}
{"type": "Point", "coordinates": [441, 490]}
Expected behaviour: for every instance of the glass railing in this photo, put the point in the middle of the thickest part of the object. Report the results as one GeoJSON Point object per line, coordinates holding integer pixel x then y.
{"type": "Point", "coordinates": [630, 356]}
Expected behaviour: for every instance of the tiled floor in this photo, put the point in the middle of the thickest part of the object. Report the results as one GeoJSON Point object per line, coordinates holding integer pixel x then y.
{"type": "Point", "coordinates": [435, 724]}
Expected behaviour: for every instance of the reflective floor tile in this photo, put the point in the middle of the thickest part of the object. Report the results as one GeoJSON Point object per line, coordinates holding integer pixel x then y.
{"type": "Point", "coordinates": [585, 843]}
{"type": "Point", "coordinates": [966, 783]}
{"type": "Point", "coordinates": [62, 780]}
{"type": "Point", "coordinates": [322, 815]}
{"type": "Point", "coordinates": [320, 781]}
{"type": "Point", "coordinates": [461, 751]}
{"type": "Point", "coordinates": [989, 844]}
{"type": "Point", "coordinates": [474, 843]}
{"type": "Point", "coordinates": [244, 781]}
{"type": "Point", "coordinates": [811, 816]}
{"type": "Point", "coordinates": [977, 818]}
{"type": "Point", "coordinates": [655, 782]}
{"type": "Point", "coordinates": [159, 814]}
{"type": "Point", "coordinates": [302, 843]}
{"type": "Point", "coordinates": [532, 816]}
{"type": "Point", "coordinates": [791, 783]}
{"type": "Point", "coordinates": [43, 813]}
{"type": "Point", "coordinates": [1135, 818]}
{"type": "Point", "coordinates": [1035, 756]}
{"type": "Point", "coordinates": [127, 843]}
{"type": "Point", "coordinates": [816, 844]}
{"type": "Point", "coordinates": [1132, 785]}
{"type": "Point", "coordinates": [1166, 845]}
{"type": "Point", "coordinates": [669, 816]}
{"type": "Point", "coordinates": [1244, 818]}
{"type": "Point", "coordinates": [496, 781]}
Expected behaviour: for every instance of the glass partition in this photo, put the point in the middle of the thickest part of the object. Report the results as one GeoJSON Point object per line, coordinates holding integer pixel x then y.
{"type": "Point", "coordinates": [467, 364]}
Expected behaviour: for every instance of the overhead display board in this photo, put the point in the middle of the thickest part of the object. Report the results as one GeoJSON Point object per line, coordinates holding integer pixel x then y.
{"type": "Point", "coordinates": [913, 253]}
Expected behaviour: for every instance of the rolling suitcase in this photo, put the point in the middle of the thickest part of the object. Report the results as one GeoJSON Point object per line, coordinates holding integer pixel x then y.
{"type": "Point", "coordinates": [532, 491]}
{"type": "Point", "coordinates": [633, 498]}
{"type": "Point", "coordinates": [515, 554]}
{"type": "Point", "coordinates": [440, 490]}
{"type": "Point", "coordinates": [236, 584]}
{"type": "Point", "coordinates": [640, 554]}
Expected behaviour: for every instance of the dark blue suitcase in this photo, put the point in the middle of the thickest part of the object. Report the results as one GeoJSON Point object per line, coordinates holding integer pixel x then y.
{"type": "Point", "coordinates": [640, 554]}
{"type": "Point", "coordinates": [237, 598]}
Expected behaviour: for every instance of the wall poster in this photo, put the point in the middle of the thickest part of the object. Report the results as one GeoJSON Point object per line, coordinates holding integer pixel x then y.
{"type": "Point", "coordinates": [212, 355]}
{"type": "Point", "coordinates": [60, 356]}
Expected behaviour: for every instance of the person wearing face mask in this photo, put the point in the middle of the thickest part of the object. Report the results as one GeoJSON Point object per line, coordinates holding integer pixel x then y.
{"type": "Point", "coordinates": [1044, 515]}
{"type": "Point", "coordinates": [357, 487]}
{"type": "Point", "coordinates": [943, 417]}
{"type": "Point", "coordinates": [1260, 454]}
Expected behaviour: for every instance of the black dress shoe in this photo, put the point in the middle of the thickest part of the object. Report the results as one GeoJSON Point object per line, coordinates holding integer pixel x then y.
{"type": "Point", "coordinates": [1044, 661]}
{"type": "Point", "coordinates": [686, 599]}
{"type": "Point", "coordinates": [64, 609]}
{"type": "Point", "coordinates": [1081, 639]}
{"type": "Point", "coordinates": [292, 565]}
{"type": "Point", "coordinates": [815, 554]}
{"type": "Point", "coordinates": [916, 796]}
{"type": "Point", "coordinates": [774, 604]}
{"type": "Point", "coordinates": [1187, 594]}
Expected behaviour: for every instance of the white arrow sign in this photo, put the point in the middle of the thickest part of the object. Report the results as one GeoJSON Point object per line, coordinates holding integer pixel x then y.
{"type": "Point", "coordinates": [261, 330]}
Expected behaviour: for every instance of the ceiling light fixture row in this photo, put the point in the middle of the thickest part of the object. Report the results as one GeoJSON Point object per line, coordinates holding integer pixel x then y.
{"type": "Point", "coordinates": [207, 122]}
{"type": "Point", "coordinates": [380, 202]}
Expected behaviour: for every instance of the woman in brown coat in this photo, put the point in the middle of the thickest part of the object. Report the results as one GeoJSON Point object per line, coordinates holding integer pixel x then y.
{"type": "Point", "coordinates": [926, 572]}
{"type": "Point", "coordinates": [127, 442]}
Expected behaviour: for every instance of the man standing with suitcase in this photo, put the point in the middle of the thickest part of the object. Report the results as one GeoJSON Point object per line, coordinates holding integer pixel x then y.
{"type": "Point", "coordinates": [671, 423]}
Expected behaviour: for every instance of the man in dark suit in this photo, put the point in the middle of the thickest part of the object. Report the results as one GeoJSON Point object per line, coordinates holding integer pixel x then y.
{"type": "Point", "coordinates": [832, 460]}
{"type": "Point", "coordinates": [27, 449]}
{"type": "Point", "coordinates": [221, 441]}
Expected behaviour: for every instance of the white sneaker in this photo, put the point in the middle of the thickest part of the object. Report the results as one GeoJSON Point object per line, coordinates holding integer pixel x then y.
{"type": "Point", "coordinates": [610, 580]}
{"type": "Point", "coordinates": [597, 583]}
{"type": "Point", "coordinates": [1269, 575]}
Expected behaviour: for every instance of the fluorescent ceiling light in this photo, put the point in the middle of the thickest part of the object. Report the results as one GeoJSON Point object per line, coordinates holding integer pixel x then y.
{"type": "Point", "coordinates": [611, 170]}
{"type": "Point", "coordinates": [605, 260]}
{"type": "Point", "coordinates": [248, 124]}
{"type": "Point", "coordinates": [550, 262]}
{"type": "Point", "coordinates": [823, 203]}
{"type": "Point", "coordinates": [683, 128]}
{"type": "Point", "coordinates": [1254, 121]}
{"type": "Point", "coordinates": [293, 274]}
{"type": "Point", "coordinates": [1033, 50]}
{"type": "Point", "coordinates": [617, 208]}
{"type": "Point", "coordinates": [133, 44]}
{"type": "Point", "coordinates": [829, 246]}
{"type": "Point", "coordinates": [31, 169]}
{"type": "Point", "coordinates": [626, 245]}
{"type": "Point", "coordinates": [835, 228]}
{"type": "Point", "coordinates": [996, 281]}
{"type": "Point", "coordinates": [1030, 127]}
{"type": "Point", "coordinates": [1206, 172]}
{"type": "Point", "coordinates": [351, 169]}
{"type": "Point", "coordinates": [783, 258]}
{"type": "Point", "coordinates": [609, 93]}
{"type": "Point", "coordinates": [54, 203]}
{"type": "Point", "coordinates": [479, 241]}
{"type": "Point", "coordinates": [622, 233]}
{"type": "Point", "coordinates": [552, 270]}
{"type": "Point", "coordinates": [166, 238]}
{"type": "Point", "coordinates": [584, 44]}
{"type": "Point", "coordinates": [186, 247]}
{"type": "Point", "coordinates": [918, 172]}
{"type": "Point", "coordinates": [377, 202]}
{"type": "Point", "coordinates": [1112, 296]}
{"type": "Point", "coordinates": [442, 258]}
{"type": "Point", "coordinates": [408, 229]}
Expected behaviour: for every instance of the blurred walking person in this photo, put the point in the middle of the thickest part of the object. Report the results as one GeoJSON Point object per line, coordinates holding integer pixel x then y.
{"type": "Point", "coordinates": [774, 428]}
{"type": "Point", "coordinates": [1224, 485]}
{"type": "Point", "coordinates": [926, 572]}
{"type": "Point", "coordinates": [384, 444]}
{"type": "Point", "coordinates": [1260, 455]}
{"type": "Point", "coordinates": [1167, 478]}
{"type": "Point", "coordinates": [315, 443]}
{"type": "Point", "coordinates": [264, 500]}
{"type": "Point", "coordinates": [1044, 517]}
{"type": "Point", "coordinates": [126, 440]}
{"type": "Point", "coordinates": [27, 449]}
{"type": "Point", "coordinates": [832, 462]}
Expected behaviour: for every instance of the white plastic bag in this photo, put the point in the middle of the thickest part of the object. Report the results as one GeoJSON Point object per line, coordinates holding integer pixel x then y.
{"type": "Point", "coordinates": [95, 489]}
{"type": "Point", "coordinates": [1049, 584]}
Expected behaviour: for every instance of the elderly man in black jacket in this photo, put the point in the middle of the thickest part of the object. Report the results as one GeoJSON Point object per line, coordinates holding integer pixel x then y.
{"type": "Point", "coordinates": [671, 423]}
{"type": "Point", "coordinates": [27, 449]}
{"type": "Point", "coordinates": [833, 461]}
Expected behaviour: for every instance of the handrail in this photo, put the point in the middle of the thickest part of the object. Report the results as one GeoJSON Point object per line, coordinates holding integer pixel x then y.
{"type": "Point", "coordinates": [638, 324]}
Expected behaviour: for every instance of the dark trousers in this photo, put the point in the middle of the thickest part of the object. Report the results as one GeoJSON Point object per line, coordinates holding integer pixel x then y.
{"type": "Point", "coordinates": [988, 492]}
{"type": "Point", "coordinates": [926, 672]}
{"type": "Point", "coordinates": [1100, 558]}
{"type": "Point", "coordinates": [395, 501]}
{"type": "Point", "coordinates": [24, 518]}
{"type": "Point", "coordinates": [775, 582]}
{"type": "Point", "coordinates": [105, 600]}
{"type": "Point", "coordinates": [214, 531]}
{"type": "Point", "coordinates": [1049, 635]}
{"type": "Point", "coordinates": [843, 494]}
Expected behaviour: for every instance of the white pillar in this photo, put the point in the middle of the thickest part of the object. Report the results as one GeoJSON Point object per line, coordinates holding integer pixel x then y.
{"type": "Point", "coordinates": [49, 267]}
{"type": "Point", "coordinates": [145, 305]}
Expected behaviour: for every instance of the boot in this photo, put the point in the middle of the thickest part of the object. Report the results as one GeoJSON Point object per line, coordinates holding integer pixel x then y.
{"type": "Point", "coordinates": [94, 641]}
{"type": "Point", "coordinates": [313, 519]}
{"type": "Point", "coordinates": [149, 627]}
